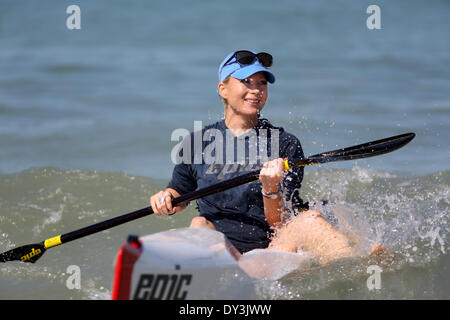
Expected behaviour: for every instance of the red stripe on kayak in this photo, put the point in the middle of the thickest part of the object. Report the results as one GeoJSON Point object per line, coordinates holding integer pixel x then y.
{"type": "Point", "coordinates": [127, 256]}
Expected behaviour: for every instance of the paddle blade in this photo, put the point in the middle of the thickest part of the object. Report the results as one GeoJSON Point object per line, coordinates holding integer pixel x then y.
{"type": "Point", "coordinates": [360, 151]}
{"type": "Point", "coordinates": [28, 253]}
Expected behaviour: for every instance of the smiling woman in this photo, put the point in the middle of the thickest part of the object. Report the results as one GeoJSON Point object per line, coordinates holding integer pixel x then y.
{"type": "Point", "coordinates": [243, 100]}
{"type": "Point", "coordinates": [251, 70]}
{"type": "Point", "coordinates": [248, 213]}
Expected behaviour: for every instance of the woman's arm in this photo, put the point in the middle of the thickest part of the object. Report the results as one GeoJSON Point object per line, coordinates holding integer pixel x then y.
{"type": "Point", "coordinates": [182, 180]}
{"type": "Point", "coordinates": [270, 176]}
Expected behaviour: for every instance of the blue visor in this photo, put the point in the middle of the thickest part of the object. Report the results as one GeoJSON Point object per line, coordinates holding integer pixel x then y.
{"type": "Point", "coordinates": [238, 71]}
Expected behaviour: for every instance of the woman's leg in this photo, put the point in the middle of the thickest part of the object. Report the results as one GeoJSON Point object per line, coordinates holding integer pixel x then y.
{"type": "Point", "coordinates": [202, 222]}
{"type": "Point", "coordinates": [310, 232]}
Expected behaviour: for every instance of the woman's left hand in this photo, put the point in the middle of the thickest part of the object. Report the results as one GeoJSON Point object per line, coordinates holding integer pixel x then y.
{"type": "Point", "coordinates": [271, 175]}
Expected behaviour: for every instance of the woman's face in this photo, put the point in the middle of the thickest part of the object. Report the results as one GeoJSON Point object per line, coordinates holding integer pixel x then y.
{"type": "Point", "coordinates": [246, 96]}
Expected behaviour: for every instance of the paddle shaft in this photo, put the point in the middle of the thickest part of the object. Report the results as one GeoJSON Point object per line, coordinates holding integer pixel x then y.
{"type": "Point", "coordinates": [107, 224]}
{"type": "Point", "coordinates": [356, 152]}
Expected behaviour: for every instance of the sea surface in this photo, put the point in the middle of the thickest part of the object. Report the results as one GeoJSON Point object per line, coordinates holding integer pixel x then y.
{"type": "Point", "coordinates": [86, 118]}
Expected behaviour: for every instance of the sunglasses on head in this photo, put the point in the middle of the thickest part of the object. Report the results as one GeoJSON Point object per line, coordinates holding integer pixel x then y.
{"type": "Point", "coordinates": [244, 58]}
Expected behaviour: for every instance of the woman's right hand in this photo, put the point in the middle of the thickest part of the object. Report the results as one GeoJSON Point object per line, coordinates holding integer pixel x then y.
{"type": "Point", "coordinates": [161, 202]}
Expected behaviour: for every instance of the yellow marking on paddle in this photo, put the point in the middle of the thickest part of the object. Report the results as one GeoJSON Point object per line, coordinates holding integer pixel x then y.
{"type": "Point", "coordinates": [30, 255]}
{"type": "Point", "coordinates": [52, 242]}
{"type": "Point", "coordinates": [286, 165]}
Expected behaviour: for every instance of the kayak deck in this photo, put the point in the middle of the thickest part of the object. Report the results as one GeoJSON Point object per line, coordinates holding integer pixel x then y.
{"type": "Point", "coordinates": [196, 263]}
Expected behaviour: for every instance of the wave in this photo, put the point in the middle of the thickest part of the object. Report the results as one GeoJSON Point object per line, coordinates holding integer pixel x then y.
{"type": "Point", "coordinates": [410, 215]}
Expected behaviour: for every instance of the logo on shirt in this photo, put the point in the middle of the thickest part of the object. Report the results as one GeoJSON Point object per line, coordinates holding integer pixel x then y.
{"type": "Point", "coordinates": [222, 169]}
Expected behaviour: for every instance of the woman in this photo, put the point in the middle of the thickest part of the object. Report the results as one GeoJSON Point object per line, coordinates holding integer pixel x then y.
{"type": "Point", "coordinates": [251, 215]}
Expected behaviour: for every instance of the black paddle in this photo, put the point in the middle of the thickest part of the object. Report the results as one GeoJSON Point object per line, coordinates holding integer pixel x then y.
{"type": "Point", "coordinates": [32, 252]}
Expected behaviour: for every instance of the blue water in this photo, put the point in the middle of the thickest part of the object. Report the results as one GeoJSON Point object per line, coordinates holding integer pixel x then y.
{"type": "Point", "coordinates": [107, 97]}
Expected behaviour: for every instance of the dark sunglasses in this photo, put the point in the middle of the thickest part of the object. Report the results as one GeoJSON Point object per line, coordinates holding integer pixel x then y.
{"type": "Point", "coordinates": [244, 58]}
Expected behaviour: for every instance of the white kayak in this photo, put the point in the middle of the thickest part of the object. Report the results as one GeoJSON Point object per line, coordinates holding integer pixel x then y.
{"type": "Point", "coordinates": [196, 263]}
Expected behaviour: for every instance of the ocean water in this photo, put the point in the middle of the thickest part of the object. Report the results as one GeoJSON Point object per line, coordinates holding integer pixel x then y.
{"type": "Point", "coordinates": [86, 118]}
